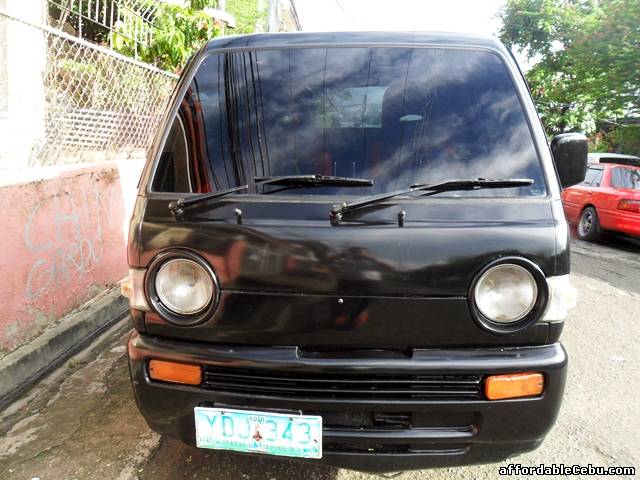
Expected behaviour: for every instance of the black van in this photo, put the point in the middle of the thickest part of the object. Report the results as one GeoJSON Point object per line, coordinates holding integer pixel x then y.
{"type": "Point", "coordinates": [350, 248]}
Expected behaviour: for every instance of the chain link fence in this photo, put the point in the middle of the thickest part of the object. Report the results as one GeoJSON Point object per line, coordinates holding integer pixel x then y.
{"type": "Point", "coordinates": [94, 104]}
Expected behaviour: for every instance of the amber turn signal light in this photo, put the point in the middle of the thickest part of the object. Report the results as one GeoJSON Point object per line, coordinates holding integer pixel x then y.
{"type": "Point", "coordinates": [513, 385]}
{"type": "Point", "coordinates": [175, 372]}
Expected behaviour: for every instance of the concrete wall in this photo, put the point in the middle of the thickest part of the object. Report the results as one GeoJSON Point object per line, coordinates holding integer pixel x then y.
{"type": "Point", "coordinates": [63, 240]}
{"type": "Point", "coordinates": [63, 227]}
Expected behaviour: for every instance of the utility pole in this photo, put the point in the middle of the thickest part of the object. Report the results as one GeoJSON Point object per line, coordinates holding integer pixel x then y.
{"type": "Point", "coordinates": [272, 24]}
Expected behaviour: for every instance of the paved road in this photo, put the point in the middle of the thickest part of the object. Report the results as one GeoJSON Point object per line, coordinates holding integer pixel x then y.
{"type": "Point", "coordinates": [82, 423]}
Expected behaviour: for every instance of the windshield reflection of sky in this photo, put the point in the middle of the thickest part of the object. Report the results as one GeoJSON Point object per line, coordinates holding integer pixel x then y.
{"type": "Point", "coordinates": [426, 115]}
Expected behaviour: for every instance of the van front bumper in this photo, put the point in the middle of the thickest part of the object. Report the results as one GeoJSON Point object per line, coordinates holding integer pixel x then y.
{"type": "Point", "coordinates": [446, 424]}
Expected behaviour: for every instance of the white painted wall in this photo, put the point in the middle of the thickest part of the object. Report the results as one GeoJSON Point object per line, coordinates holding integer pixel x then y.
{"type": "Point", "coordinates": [22, 122]}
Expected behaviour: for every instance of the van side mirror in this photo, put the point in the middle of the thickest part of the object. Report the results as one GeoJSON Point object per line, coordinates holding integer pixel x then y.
{"type": "Point", "coordinates": [569, 152]}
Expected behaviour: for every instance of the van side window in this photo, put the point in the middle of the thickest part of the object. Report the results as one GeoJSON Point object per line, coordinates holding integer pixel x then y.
{"type": "Point", "coordinates": [172, 174]}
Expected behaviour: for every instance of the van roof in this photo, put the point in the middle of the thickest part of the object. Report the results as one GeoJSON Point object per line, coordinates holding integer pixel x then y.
{"type": "Point", "coordinates": [262, 40]}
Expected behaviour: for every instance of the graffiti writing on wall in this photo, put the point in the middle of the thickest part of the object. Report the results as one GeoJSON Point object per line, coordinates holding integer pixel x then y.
{"type": "Point", "coordinates": [66, 234]}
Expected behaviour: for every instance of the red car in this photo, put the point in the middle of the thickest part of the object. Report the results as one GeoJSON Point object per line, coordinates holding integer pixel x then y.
{"type": "Point", "coordinates": [608, 199]}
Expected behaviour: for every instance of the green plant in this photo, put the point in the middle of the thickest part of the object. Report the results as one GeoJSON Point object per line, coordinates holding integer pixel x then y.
{"type": "Point", "coordinates": [177, 32]}
{"type": "Point", "coordinates": [248, 15]}
{"type": "Point", "coordinates": [622, 138]}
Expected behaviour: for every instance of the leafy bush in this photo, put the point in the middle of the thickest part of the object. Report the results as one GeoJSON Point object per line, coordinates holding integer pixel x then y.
{"type": "Point", "coordinates": [586, 60]}
{"type": "Point", "coordinates": [178, 32]}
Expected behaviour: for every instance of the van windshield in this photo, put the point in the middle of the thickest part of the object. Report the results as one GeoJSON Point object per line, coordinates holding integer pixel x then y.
{"type": "Point", "coordinates": [398, 116]}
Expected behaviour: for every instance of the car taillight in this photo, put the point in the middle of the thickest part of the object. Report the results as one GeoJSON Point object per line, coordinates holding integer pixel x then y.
{"type": "Point", "coordinates": [629, 205]}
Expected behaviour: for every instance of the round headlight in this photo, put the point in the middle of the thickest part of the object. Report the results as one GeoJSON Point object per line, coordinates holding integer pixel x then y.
{"type": "Point", "coordinates": [506, 293]}
{"type": "Point", "coordinates": [184, 286]}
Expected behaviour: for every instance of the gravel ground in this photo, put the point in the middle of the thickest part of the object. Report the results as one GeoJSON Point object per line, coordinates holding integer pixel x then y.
{"type": "Point", "coordinates": [82, 422]}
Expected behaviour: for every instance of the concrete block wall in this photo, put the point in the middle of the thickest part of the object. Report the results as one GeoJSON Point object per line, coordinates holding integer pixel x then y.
{"type": "Point", "coordinates": [62, 241]}
{"type": "Point", "coordinates": [63, 227]}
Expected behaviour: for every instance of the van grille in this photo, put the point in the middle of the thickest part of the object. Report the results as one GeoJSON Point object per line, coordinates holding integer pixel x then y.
{"type": "Point", "coordinates": [341, 386]}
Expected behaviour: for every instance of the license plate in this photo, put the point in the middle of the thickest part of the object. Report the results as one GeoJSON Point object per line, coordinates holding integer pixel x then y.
{"type": "Point", "coordinates": [261, 432]}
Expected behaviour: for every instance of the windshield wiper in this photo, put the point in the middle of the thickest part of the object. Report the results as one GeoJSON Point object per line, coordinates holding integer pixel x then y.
{"type": "Point", "coordinates": [177, 207]}
{"type": "Point", "coordinates": [313, 180]}
{"type": "Point", "coordinates": [450, 185]}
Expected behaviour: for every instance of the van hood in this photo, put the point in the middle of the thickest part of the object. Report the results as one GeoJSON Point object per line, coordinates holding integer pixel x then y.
{"type": "Point", "coordinates": [284, 247]}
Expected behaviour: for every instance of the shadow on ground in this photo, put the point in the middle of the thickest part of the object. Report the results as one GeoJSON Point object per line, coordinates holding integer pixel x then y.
{"type": "Point", "coordinates": [604, 259]}
{"type": "Point", "coordinates": [175, 460]}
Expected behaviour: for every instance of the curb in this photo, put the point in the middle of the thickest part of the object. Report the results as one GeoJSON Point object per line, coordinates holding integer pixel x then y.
{"type": "Point", "coordinates": [23, 367]}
